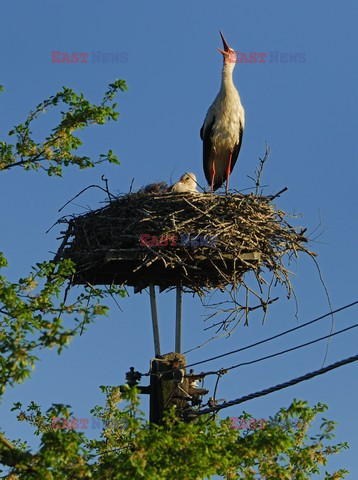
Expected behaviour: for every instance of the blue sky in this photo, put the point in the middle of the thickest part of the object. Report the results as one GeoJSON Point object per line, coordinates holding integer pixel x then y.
{"type": "Point", "coordinates": [306, 112]}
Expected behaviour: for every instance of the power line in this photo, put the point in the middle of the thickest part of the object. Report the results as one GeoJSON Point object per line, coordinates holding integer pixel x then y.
{"type": "Point", "coordinates": [274, 336]}
{"type": "Point", "coordinates": [269, 339]}
{"type": "Point", "coordinates": [280, 386]}
{"type": "Point", "coordinates": [282, 351]}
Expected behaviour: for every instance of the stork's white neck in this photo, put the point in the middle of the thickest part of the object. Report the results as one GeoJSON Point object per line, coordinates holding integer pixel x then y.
{"type": "Point", "coordinates": [226, 77]}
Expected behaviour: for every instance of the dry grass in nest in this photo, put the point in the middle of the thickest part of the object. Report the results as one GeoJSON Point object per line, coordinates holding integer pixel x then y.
{"type": "Point", "coordinates": [251, 235]}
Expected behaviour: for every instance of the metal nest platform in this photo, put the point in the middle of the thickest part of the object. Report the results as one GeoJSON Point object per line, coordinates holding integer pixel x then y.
{"type": "Point", "coordinates": [197, 240]}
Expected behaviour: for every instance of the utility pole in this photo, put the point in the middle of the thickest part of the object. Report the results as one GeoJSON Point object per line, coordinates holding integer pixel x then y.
{"type": "Point", "coordinates": [168, 385]}
{"type": "Point", "coordinates": [155, 324]}
{"type": "Point", "coordinates": [178, 318]}
{"type": "Point", "coordinates": [171, 386]}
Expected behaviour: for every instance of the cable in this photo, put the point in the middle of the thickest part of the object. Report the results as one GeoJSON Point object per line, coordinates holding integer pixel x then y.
{"type": "Point", "coordinates": [280, 386]}
{"type": "Point", "coordinates": [216, 372]}
{"type": "Point", "coordinates": [274, 336]}
{"type": "Point", "coordinates": [266, 340]}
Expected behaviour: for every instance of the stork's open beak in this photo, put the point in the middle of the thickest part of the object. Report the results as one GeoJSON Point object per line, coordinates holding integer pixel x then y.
{"type": "Point", "coordinates": [225, 45]}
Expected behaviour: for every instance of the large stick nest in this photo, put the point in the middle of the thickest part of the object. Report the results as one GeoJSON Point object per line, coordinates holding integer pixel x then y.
{"type": "Point", "coordinates": [250, 235]}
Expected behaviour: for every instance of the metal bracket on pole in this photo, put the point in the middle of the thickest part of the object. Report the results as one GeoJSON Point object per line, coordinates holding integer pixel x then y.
{"type": "Point", "coordinates": [153, 307]}
{"type": "Point", "coordinates": [178, 319]}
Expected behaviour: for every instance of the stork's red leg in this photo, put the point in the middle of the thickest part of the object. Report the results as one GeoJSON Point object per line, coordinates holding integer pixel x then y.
{"type": "Point", "coordinates": [212, 175]}
{"type": "Point", "coordinates": [228, 172]}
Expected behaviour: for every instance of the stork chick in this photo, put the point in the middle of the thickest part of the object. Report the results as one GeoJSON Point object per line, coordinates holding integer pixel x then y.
{"type": "Point", "coordinates": [223, 126]}
{"type": "Point", "coordinates": [187, 183]}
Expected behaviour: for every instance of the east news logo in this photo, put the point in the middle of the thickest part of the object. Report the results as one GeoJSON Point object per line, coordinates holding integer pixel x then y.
{"type": "Point", "coordinates": [183, 240]}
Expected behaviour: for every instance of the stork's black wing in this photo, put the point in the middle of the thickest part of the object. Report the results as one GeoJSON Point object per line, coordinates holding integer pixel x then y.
{"type": "Point", "coordinates": [206, 135]}
{"type": "Point", "coordinates": [236, 150]}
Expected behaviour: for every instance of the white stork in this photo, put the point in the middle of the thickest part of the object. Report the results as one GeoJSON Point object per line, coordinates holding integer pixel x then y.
{"type": "Point", "coordinates": [187, 183]}
{"type": "Point", "coordinates": [223, 126]}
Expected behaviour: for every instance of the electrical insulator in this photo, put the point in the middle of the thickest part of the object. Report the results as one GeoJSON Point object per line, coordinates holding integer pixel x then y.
{"type": "Point", "coordinates": [133, 377]}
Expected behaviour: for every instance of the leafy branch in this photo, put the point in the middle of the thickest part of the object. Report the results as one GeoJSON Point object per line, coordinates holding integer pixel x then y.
{"type": "Point", "coordinates": [134, 448]}
{"type": "Point", "coordinates": [57, 150]}
{"type": "Point", "coordinates": [33, 316]}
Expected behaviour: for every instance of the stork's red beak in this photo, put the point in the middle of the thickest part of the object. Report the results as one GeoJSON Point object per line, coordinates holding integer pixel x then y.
{"type": "Point", "coordinates": [225, 45]}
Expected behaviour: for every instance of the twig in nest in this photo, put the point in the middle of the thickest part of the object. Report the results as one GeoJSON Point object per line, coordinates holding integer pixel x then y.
{"type": "Point", "coordinates": [236, 310]}
{"type": "Point", "coordinates": [260, 168]}
{"type": "Point", "coordinates": [329, 304]}
{"type": "Point", "coordinates": [82, 191]}
{"type": "Point", "coordinates": [107, 189]}
{"type": "Point", "coordinates": [258, 172]}
{"type": "Point", "coordinates": [272, 197]}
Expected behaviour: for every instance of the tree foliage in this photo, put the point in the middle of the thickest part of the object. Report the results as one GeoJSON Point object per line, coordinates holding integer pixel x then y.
{"type": "Point", "coordinates": [32, 313]}
{"type": "Point", "coordinates": [57, 150]}
{"type": "Point", "coordinates": [39, 312]}
{"type": "Point", "coordinates": [131, 448]}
